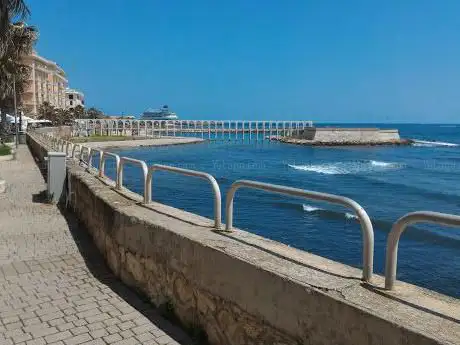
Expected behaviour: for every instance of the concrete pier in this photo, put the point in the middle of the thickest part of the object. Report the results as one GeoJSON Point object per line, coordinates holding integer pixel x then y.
{"type": "Point", "coordinates": [205, 129]}
{"type": "Point", "coordinates": [340, 136]}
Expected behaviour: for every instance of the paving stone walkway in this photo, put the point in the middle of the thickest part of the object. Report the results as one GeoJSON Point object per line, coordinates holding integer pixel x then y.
{"type": "Point", "coordinates": [54, 285]}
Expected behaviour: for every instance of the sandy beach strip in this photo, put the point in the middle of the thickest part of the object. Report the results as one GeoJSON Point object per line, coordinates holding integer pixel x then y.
{"type": "Point", "coordinates": [144, 142]}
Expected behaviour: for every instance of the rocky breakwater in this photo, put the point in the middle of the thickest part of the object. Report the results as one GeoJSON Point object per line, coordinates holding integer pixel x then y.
{"type": "Point", "coordinates": [336, 136]}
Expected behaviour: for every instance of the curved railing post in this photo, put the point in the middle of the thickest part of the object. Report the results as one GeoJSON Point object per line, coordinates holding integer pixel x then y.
{"type": "Point", "coordinates": [366, 224]}
{"type": "Point", "coordinates": [106, 154]}
{"type": "Point", "coordinates": [391, 260]}
{"type": "Point", "coordinates": [193, 173]}
{"type": "Point", "coordinates": [90, 157]}
{"type": "Point", "coordinates": [142, 164]}
{"type": "Point", "coordinates": [67, 148]}
{"type": "Point", "coordinates": [73, 149]}
{"type": "Point", "coordinates": [83, 150]}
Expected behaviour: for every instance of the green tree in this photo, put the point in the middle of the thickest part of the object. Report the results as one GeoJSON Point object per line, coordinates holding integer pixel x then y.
{"type": "Point", "coordinates": [14, 74]}
{"type": "Point", "coordinates": [93, 113]}
{"type": "Point", "coordinates": [78, 112]}
{"type": "Point", "coordinates": [47, 112]}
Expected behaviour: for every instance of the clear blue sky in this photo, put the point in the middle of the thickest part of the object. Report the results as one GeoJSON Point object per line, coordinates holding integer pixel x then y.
{"type": "Point", "coordinates": [348, 61]}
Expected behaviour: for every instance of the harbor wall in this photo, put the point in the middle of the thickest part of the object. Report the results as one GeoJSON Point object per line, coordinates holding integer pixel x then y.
{"type": "Point", "coordinates": [239, 288]}
{"type": "Point", "coordinates": [348, 135]}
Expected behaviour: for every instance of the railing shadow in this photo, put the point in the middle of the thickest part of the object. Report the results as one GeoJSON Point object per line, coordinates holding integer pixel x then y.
{"type": "Point", "coordinates": [96, 264]}
{"type": "Point", "coordinates": [382, 292]}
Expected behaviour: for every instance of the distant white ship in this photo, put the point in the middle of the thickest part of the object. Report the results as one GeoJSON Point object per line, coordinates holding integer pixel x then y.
{"type": "Point", "coordinates": [159, 114]}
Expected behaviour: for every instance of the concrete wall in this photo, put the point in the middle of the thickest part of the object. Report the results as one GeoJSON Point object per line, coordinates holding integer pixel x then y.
{"type": "Point", "coordinates": [349, 135]}
{"type": "Point", "coordinates": [240, 288]}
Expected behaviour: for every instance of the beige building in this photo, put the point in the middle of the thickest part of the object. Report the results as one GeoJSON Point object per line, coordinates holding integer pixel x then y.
{"type": "Point", "coordinates": [48, 83]}
{"type": "Point", "coordinates": [73, 98]}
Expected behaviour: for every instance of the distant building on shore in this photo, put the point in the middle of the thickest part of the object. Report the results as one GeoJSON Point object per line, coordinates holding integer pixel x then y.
{"type": "Point", "coordinates": [47, 83]}
{"type": "Point", "coordinates": [74, 98]}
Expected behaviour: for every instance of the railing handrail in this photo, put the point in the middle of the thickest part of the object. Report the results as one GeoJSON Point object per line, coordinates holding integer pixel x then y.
{"type": "Point", "coordinates": [104, 156]}
{"type": "Point", "coordinates": [67, 147]}
{"type": "Point", "coordinates": [366, 224]}
{"type": "Point", "coordinates": [83, 149]}
{"type": "Point", "coordinates": [141, 163]}
{"type": "Point", "coordinates": [73, 149]}
{"type": "Point", "coordinates": [192, 173]}
{"type": "Point", "coordinates": [91, 154]}
{"type": "Point", "coordinates": [391, 259]}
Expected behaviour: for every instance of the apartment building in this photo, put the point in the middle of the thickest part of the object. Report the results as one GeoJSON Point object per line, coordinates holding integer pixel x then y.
{"type": "Point", "coordinates": [47, 83]}
{"type": "Point", "coordinates": [73, 98]}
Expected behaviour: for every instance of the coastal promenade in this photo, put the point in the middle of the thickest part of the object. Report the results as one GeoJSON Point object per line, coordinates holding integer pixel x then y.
{"type": "Point", "coordinates": [54, 285]}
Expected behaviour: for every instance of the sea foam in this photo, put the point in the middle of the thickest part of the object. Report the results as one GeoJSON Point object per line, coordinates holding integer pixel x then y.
{"type": "Point", "coordinates": [424, 143]}
{"type": "Point", "coordinates": [344, 168]}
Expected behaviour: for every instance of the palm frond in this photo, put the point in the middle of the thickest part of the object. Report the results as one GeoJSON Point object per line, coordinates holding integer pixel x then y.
{"type": "Point", "coordinates": [10, 9]}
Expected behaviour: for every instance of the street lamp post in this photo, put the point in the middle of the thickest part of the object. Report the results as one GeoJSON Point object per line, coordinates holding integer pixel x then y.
{"type": "Point", "coordinates": [15, 112]}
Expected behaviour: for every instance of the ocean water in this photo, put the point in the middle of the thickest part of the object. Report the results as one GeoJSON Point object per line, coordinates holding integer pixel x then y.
{"type": "Point", "coordinates": [387, 181]}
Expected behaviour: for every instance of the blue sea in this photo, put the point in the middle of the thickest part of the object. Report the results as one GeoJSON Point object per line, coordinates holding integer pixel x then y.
{"type": "Point", "coordinates": [387, 181]}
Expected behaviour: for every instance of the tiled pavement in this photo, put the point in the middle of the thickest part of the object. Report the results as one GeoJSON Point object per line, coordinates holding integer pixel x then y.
{"type": "Point", "coordinates": [54, 286]}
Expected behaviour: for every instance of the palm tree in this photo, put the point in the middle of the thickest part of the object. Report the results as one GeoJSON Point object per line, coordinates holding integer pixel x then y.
{"type": "Point", "coordinates": [18, 42]}
{"type": "Point", "coordinates": [8, 10]}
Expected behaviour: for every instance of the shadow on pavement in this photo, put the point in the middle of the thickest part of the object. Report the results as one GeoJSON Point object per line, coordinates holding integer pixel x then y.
{"type": "Point", "coordinates": [96, 265]}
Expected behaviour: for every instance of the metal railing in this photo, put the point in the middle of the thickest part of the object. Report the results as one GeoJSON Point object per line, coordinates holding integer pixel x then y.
{"type": "Point", "coordinates": [121, 165]}
{"type": "Point", "coordinates": [91, 155]}
{"type": "Point", "coordinates": [67, 148]}
{"type": "Point", "coordinates": [82, 151]}
{"type": "Point", "coordinates": [366, 224]}
{"type": "Point", "coordinates": [192, 173]}
{"type": "Point", "coordinates": [106, 154]}
{"type": "Point", "coordinates": [398, 228]}
{"type": "Point", "coordinates": [62, 144]}
{"type": "Point", "coordinates": [73, 149]}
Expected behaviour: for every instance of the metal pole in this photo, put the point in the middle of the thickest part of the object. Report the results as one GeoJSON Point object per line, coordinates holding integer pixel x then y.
{"type": "Point", "coordinates": [15, 112]}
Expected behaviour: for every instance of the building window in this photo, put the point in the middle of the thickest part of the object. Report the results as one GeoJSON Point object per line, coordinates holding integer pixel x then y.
{"type": "Point", "coordinates": [70, 96]}
{"type": "Point", "coordinates": [71, 103]}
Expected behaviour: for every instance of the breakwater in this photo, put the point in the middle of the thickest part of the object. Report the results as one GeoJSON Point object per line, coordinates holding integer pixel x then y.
{"type": "Point", "coordinates": [340, 136]}
{"type": "Point", "coordinates": [293, 297]}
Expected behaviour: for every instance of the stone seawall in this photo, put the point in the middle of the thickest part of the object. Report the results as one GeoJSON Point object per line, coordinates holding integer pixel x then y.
{"type": "Point", "coordinates": [239, 288]}
{"type": "Point", "coordinates": [345, 136]}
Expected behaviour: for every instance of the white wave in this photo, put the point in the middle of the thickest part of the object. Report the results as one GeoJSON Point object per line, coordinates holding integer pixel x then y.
{"type": "Point", "coordinates": [424, 143]}
{"type": "Point", "coordinates": [350, 216]}
{"type": "Point", "coordinates": [308, 208]}
{"type": "Point", "coordinates": [344, 168]}
{"type": "Point", "coordinates": [327, 169]}
{"type": "Point", "coordinates": [383, 164]}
